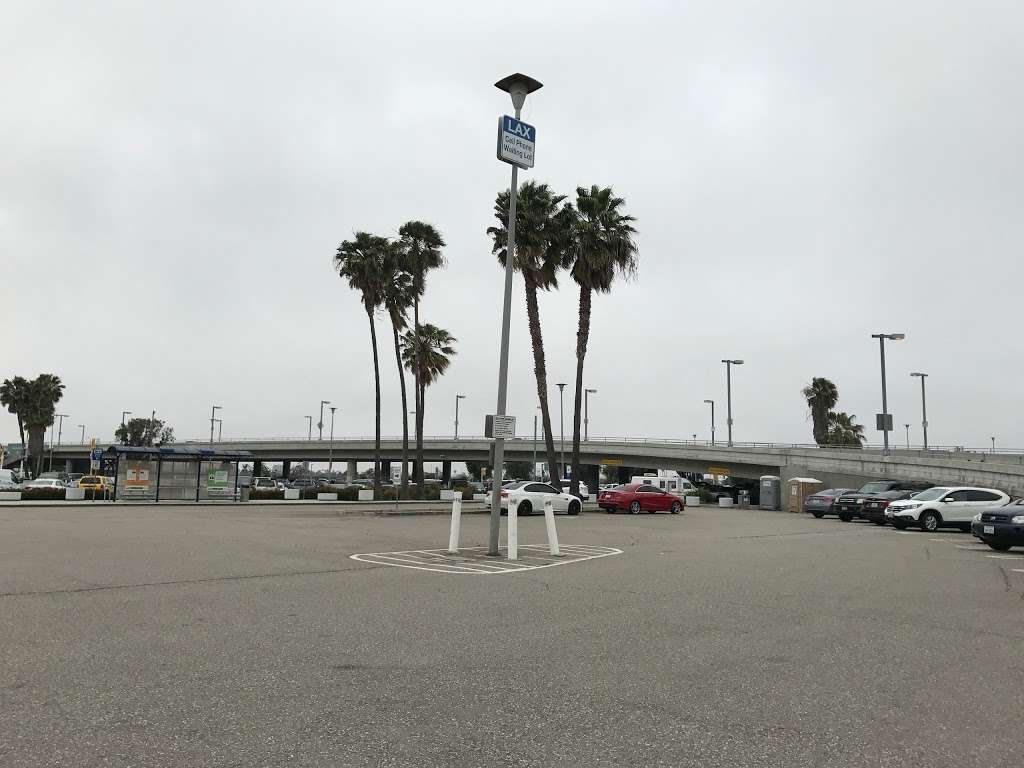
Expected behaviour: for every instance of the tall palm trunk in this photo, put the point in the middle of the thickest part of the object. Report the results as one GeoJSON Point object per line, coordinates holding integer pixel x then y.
{"type": "Point", "coordinates": [582, 336]}
{"type": "Point", "coordinates": [540, 369]}
{"type": "Point", "coordinates": [37, 448]}
{"type": "Point", "coordinates": [819, 416]}
{"type": "Point", "coordinates": [376, 384]}
{"type": "Point", "coordinates": [404, 490]}
{"type": "Point", "coordinates": [418, 474]}
{"type": "Point", "coordinates": [24, 446]}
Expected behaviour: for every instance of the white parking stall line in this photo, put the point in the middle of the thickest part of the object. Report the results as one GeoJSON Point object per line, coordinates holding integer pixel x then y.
{"type": "Point", "coordinates": [471, 561]}
{"type": "Point", "coordinates": [462, 561]}
{"type": "Point", "coordinates": [1017, 570]}
{"type": "Point", "coordinates": [1006, 557]}
{"type": "Point", "coordinates": [974, 548]}
{"type": "Point", "coordinates": [384, 558]}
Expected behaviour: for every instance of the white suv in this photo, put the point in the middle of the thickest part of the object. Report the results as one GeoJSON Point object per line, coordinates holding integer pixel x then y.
{"type": "Point", "coordinates": [944, 507]}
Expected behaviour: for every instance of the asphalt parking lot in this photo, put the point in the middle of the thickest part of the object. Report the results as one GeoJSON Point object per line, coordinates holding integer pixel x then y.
{"type": "Point", "coordinates": [134, 636]}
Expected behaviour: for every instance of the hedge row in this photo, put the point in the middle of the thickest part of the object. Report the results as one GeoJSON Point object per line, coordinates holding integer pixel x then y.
{"type": "Point", "coordinates": [388, 493]}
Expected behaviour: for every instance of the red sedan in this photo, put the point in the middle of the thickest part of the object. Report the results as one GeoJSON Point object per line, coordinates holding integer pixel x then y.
{"type": "Point", "coordinates": [638, 497]}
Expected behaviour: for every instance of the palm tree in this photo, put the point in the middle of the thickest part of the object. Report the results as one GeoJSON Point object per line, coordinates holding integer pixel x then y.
{"type": "Point", "coordinates": [844, 430]}
{"type": "Point", "coordinates": [602, 247]}
{"type": "Point", "coordinates": [42, 395]}
{"type": "Point", "coordinates": [14, 397]}
{"type": "Point", "coordinates": [427, 354]}
{"type": "Point", "coordinates": [822, 396]}
{"type": "Point", "coordinates": [399, 296]}
{"type": "Point", "coordinates": [421, 246]}
{"type": "Point", "coordinates": [543, 236]}
{"type": "Point", "coordinates": [361, 261]}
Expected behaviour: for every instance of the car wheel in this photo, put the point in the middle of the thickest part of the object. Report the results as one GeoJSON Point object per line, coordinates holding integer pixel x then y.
{"type": "Point", "coordinates": [676, 508]}
{"type": "Point", "coordinates": [524, 508]}
{"type": "Point", "coordinates": [899, 524]}
{"type": "Point", "coordinates": [998, 547]}
{"type": "Point", "coordinates": [818, 515]}
{"type": "Point", "coordinates": [929, 521]}
{"type": "Point", "coordinates": [634, 507]}
{"type": "Point", "coordinates": [574, 507]}
{"type": "Point", "coordinates": [845, 517]}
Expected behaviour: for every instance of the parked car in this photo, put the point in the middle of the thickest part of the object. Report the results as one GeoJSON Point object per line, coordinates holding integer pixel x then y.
{"type": "Point", "coordinates": [530, 497]}
{"type": "Point", "coordinates": [505, 488]}
{"type": "Point", "coordinates": [640, 497]}
{"type": "Point", "coordinates": [9, 481]}
{"type": "Point", "coordinates": [874, 507]}
{"type": "Point", "coordinates": [823, 502]}
{"type": "Point", "coordinates": [850, 505]}
{"type": "Point", "coordinates": [937, 507]}
{"type": "Point", "coordinates": [263, 484]}
{"type": "Point", "coordinates": [1001, 527]}
{"type": "Point", "coordinates": [45, 482]}
{"type": "Point", "coordinates": [73, 479]}
{"type": "Point", "coordinates": [95, 483]}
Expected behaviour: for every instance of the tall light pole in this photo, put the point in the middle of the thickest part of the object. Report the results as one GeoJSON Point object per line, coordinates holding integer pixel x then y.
{"type": "Point", "coordinates": [924, 408]}
{"type": "Point", "coordinates": [213, 416]}
{"type": "Point", "coordinates": [712, 404]}
{"type": "Point", "coordinates": [123, 414]}
{"type": "Point", "coordinates": [907, 427]}
{"type": "Point", "coordinates": [884, 420]}
{"type": "Point", "coordinates": [310, 427]}
{"type": "Point", "coordinates": [517, 86]}
{"type": "Point", "coordinates": [330, 453]}
{"type": "Point", "coordinates": [220, 429]}
{"type": "Point", "coordinates": [60, 427]}
{"type": "Point", "coordinates": [320, 424]}
{"type": "Point", "coordinates": [82, 427]}
{"type": "Point", "coordinates": [728, 394]}
{"type": "Point", "coordinates": [586, 412]}
{"type": "Point", "coordinates": [533, 472]}
{"type": "Point", "coordinates": [457, 398]}
{"type": "Point", "coordinates": [561, 440]}
{"type": "Point", "coordinates": [61, 416]}
{"type": "Point", "coordinates": [993, 438]}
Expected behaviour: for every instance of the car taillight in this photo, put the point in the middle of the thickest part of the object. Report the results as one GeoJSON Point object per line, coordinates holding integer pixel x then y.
{"type": "Point", "coordinates": [504, 493]}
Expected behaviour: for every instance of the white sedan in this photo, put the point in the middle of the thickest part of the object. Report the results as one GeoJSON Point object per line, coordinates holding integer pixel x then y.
{"type": "Point", "coordinates": [530, 498]}
{"type": "Point", "coordinates": [44, 482]}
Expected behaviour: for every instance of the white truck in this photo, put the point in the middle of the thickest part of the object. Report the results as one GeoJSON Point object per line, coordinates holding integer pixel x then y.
{"type": "Point", "coordinates": [667, 480]}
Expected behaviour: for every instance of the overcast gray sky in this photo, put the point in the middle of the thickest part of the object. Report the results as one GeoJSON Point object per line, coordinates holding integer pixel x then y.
{"type": "Point", "coordinates": [175, 178]}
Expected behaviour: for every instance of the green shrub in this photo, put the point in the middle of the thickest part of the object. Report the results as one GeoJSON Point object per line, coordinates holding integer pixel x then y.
{"type": "Point", "coordinates": [705, 496]}
{"type": "Point", "coordinates": [263, 494]}
{"type": "Point", "coordinates": [42, 494]}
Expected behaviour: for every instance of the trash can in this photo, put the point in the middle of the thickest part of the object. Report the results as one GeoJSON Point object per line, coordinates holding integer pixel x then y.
{"type": "Point", "coordinates": [744, 499]}
{"type": "Point", "coordinates": [243, 493]}
{"type": "Point", "coordinates": [797, 491]}
{"type": "Point", "coordinates": [771, 489]}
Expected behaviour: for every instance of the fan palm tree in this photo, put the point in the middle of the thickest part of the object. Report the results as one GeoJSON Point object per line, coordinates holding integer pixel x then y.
{"type": "Point", "coordinates": [42, 395]}
{"type": "Point", "coordinates": [361, 261]}
{"type": "Point", "coordinates": [602, 247]}
{"type": "Point", "coordinates": [421, 245]}
{"type": "Point", "coordinates": [14, 397]}
{"type": "Point", "coordinates": [399, 296]}
{"type": "Point", "coordinates": [543, 236]}
{"type": "Point", "coordinates": [844, 430]}
{"type": "Point", "coordinates": [427, 354]}
{"type": "Point", "coordinates": [822, 396]}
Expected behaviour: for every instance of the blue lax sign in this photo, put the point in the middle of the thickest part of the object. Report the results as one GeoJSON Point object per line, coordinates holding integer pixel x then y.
{"type": "Point", "coordinates": [516, 142]}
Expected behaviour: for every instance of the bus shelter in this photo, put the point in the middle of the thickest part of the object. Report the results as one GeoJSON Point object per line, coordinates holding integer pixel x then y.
{"type": "Point", "coordinates": [180, 474]}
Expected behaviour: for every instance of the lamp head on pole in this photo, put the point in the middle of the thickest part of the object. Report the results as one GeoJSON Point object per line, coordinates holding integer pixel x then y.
{"type": "Point", "coordinates": [733, 362]}
{"type": "Point", "coordinates": [922, 375]}
{"type": "Point", "coordinates": [518, 86]}
{"type": "Point", "coordinates": [592, 391]}
{"type": "Point", "coordinates": [710, 402]}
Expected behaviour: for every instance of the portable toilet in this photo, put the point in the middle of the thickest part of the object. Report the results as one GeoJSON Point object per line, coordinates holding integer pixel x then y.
{"type": "Point", "coordinates": [771, 486]}
{"type": "Point", "coordinates": [797, 491]}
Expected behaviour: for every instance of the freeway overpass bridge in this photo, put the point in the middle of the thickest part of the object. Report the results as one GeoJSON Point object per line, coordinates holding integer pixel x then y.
{"type": "Point", "coordinates": [833, 466]}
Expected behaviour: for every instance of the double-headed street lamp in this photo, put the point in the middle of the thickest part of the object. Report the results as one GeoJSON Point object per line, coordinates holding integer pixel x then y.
{"type": "Point", "coordinates": [712, 404]}
{"type": "Point", "coordinates": [586, 412]}
{"type": "Point", "coordinates": [924, 408]}
{"type": "Point", "coordinates": [728, 394]}
{"type": "Point", "coordinates": [457, 398]}
{"type": "Point", "coordinates": [213, 417]}
{"type": "Point", "coordinates": [320, 424]}
{"type": "Point", "coordinates": [884, 421]}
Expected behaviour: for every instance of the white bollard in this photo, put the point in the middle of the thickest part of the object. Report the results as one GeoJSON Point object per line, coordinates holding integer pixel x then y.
{"type": "Point", "coordinates": [513, 528]}
{"type": "Point", "coordinates": [453, 536]}
{"type": "Point", "coordinates": [549, 521]}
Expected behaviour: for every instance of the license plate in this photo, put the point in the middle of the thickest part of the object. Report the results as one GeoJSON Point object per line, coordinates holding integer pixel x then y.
{"type": "Point", "coordinates": [988, 529]}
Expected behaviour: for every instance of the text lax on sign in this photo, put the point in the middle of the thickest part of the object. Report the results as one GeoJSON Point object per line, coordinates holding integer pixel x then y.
{"type": "Point", "coordinates": [516, 142]}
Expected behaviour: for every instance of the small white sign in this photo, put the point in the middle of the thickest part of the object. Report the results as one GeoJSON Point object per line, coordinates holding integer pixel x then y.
{"type": "Point", "coordinates": [500, 427]}
{"type": "Point", "coordinates": [517, 142]}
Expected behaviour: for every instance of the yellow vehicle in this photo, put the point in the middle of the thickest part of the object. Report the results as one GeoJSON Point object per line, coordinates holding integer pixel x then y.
{"type": "Point", "coordinates": [96, 483]}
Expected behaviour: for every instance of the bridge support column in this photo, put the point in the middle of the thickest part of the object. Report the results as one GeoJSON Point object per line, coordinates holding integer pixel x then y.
{"type": "Point", "coordinates": [591, 475]}
{"type": "Point", "coordinates": [286, 469]}
{"type": "Point", "coordinates": [353, 471]}
{"type": "Point", "coordinates": [385, 470]}
{"type": "Point", "coordinates": [257, 468]}
{"type": "Point", "coordinates": [446, 472]}
{"type": "Point", "coordinates": [623, 475]}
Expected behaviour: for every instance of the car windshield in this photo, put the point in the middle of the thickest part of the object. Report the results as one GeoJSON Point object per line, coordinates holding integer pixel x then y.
{"type": "Point", "coordinates": [515, 485]}
{"type": "Point", "coordinates": [89, 479]}
{"type": "Point", "coordinates": [930, 495]}
{"type": "Point", "coordinates": [874, 487]}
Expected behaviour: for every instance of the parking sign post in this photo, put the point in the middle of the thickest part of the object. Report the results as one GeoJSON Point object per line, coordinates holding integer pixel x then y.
{"type": "Point", "coordinates": [516, 143]}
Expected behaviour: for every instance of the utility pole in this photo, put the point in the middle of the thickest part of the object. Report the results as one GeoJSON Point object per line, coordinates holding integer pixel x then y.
{"type": "Point", "coordinates": [213, 416]}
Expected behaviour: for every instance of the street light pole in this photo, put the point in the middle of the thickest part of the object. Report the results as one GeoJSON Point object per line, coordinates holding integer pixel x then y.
{"type": "Point", "coordinates": [884, 421]}
{"type": "Point", "coordinates": [907, 426]}
{"type": "Point", "coordinates": [586, 412]}
{"type": "Point", "coordinates": [220, 430]}
{"type": "Point", "coordinates": [561, 440]}
{"type": "Point", "coordinates": [517, 86]}
{"type": "Point", "coordinates": [457, 398]}
{"type": "Point", "coordinates": [924, 408]}
{"type": "Point", "coordinates": [728, 394]}
{"type": "Point", "coordinates": [123, 414]}
{"type": "Point", "coordinates": [533, 471]}
{"type": "Point", "coordinates": [82, 426]}
{"type": "Point", "coordinates": [213, 415]}
{"type": "Point", "coordinates": [320, 424]}
{"type": "Point", "coordinates": [330, 454]}
{"type": "Point", "coordinates": [993, 443]}
{"type": "Point", "coordinates": [712, 404]}
{"type": "Point", "coordinates": [310, 437]}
